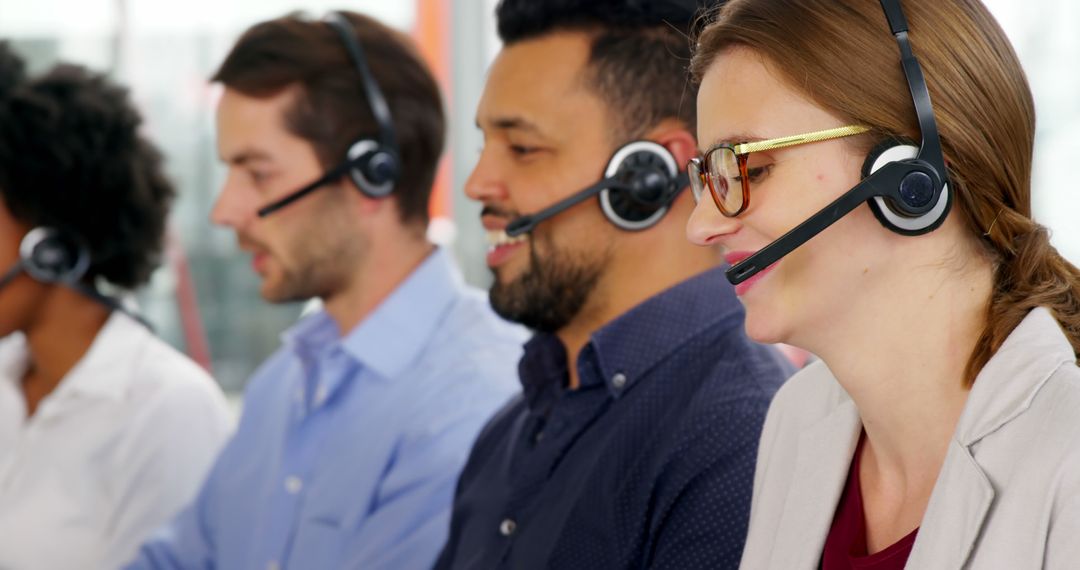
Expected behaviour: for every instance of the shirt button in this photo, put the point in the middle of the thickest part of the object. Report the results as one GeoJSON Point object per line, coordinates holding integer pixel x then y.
{"type": "Point", "coordinates": [293, 485]}
{"type": "Point", "coordinates": [539, 436]}
{"type": "Point", "coordinates": [507, 527]}
{"type": "Point", "coordinates": [618, 380]}
{"type": "Point", "coordinates": [273, 565]}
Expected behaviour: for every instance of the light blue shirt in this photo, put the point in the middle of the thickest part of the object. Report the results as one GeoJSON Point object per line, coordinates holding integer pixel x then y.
{"type": "Point", "coordinates": [349, 448]}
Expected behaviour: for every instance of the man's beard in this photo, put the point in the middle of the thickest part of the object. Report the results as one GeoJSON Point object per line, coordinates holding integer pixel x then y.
{"type": "Point", "coordinates": [310, 279]}
{"type": "Point", "coordinates": [552, 291]}
{"type": "Point", "coordinates": [322, 257]}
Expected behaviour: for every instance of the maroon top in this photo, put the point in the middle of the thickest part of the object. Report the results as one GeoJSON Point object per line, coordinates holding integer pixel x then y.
{"type": "Point", "coordinates": [845, 547]}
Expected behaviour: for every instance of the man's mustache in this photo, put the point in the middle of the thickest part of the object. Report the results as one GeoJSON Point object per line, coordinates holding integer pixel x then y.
{"type": "Point", "coordinates": [248, 243]}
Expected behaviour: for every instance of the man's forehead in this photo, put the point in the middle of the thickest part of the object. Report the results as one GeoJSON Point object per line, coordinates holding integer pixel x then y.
{"type": "Point", "coordinates": [550, 62]}
{"type": "Point", "coordinates": [526, 92]}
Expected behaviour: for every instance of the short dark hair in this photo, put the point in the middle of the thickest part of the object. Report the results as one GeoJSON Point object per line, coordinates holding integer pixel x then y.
{"type": "Point", "coordinates": [331, 111]}
{"type": "Point", "coordinates": [71, 157]}
{"type": "Point", "coordinates": [639, 56]}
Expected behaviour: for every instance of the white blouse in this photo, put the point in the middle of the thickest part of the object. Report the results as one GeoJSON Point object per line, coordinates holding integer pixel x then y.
{"type": "Point", "coordinates": [112, 453]}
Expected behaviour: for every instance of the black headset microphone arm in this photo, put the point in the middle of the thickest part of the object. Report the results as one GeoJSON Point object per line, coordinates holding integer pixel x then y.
{"type": "Point", "coordinates": [527, 223]}
{"type": "Point", "coordinates": [330, 176]}
{"type": "Point", "coordinates": [879, 184]}
{"type": "Point", "coordinates": [11, 274]}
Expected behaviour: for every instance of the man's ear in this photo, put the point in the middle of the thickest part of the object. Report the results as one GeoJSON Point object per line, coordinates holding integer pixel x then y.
{"type": "Point", "coordinates": [675, 137]}
{"type": "Point", "coordinates": [361, 203]}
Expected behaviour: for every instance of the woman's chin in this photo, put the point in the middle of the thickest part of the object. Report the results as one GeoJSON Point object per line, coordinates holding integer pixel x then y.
{"type": "Point", "coordinates": [764, 328]}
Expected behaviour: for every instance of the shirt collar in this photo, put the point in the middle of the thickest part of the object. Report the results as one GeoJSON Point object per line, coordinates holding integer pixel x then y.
{"type": "Point", "coordinates": [627, 348]}
{"type": "Point", "coordinates": [392, 336]}
{"type": "Point", "coordinates": [105, 370]}
{"type": "Point", "coordinates": [542, 370]}
{"type": "Point", "coordinates": [1007, 384]}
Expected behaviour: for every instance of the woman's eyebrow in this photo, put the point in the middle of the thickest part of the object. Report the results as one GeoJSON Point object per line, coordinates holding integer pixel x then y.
{"type": "Point", "coordinates": [732, 140]}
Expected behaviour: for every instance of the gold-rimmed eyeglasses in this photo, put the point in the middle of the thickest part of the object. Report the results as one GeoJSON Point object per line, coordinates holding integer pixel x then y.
{"type": "Point", "coordinates": [727, 167]}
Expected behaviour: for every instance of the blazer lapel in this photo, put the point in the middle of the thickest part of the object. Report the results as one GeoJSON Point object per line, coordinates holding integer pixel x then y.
{"type": "Point", "coordinates": [824, 457]}
{"type": "Point", "coordinates": [955, 514]}
{"type": "Point", "coordinates": [1002, 391]}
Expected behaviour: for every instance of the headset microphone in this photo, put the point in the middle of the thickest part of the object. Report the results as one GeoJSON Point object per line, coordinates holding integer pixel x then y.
{"type": "Point", "coordinates": [887, 182]}
{"type": "Point", "coordinates": [10, 275]}
{"type": "Point", "coordinates": [905, 186]}
{"type": "Point", "coordinates": [639, 184]}
{"type": "Point", "coordinates": [526, 224]}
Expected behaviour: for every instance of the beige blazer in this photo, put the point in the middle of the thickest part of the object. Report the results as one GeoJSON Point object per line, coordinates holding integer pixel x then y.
{"type": "Point", "coordinates": [1008, 495]}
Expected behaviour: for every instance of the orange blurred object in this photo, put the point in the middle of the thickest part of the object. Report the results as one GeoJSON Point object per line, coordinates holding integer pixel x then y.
{"type": "Point", "coordinates": [431, 33]}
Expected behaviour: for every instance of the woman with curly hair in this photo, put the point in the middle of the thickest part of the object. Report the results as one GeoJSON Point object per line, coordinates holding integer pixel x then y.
{"type": "Point", "coordinates": [105, 431]}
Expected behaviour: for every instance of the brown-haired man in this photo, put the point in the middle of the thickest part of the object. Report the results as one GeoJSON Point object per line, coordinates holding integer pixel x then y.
{"type": "Point", "coordinates": [353, 433]}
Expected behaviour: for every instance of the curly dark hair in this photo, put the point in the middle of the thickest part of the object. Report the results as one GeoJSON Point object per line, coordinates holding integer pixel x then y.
{"type": "Point", "coordinates": [71, 157]}
{"type": "Point", "coordinates": [639, 57]}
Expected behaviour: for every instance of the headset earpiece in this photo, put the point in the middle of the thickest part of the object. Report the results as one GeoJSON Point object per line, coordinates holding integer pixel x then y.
{"type": "Point", "coordinates": [51, 256]}
{"type": "Point", "coordinates": [918, 207]}
{"type": "Point", "coordinates": [376, 168]}
{"type": "Point", "coordinates": [649, 173]}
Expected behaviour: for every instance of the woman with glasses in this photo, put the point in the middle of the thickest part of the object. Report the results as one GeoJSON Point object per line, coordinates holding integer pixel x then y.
{"type": "Point", "coordinates": [893, 237]}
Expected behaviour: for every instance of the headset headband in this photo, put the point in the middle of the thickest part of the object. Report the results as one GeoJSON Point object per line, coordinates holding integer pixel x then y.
{"type": "Point", "coordinates": [379, 108]}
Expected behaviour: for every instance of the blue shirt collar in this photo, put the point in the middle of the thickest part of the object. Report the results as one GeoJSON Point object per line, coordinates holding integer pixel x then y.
{"type": "Point", "coordinates": [636, 341]}
{"type": "Point", "coordinates": [393, 335]}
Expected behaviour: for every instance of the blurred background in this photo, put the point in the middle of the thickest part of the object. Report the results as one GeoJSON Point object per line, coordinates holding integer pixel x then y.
{"type": "Point", "coordinates": [205, 300]}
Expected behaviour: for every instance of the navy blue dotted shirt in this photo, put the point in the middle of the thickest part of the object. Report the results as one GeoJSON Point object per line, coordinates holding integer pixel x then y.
{"type": "Point", "coordinates": [649, 464]}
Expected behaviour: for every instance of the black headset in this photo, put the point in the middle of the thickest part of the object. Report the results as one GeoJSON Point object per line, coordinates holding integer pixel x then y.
{"type": "Point", "coordinates": [373, 164]}
{"type": "Point", "coordinates": [906, 186]}
{"type": "Point", "coordinates": [640, 182]}
{"type": "Point", "coordinates": [51, 256]}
